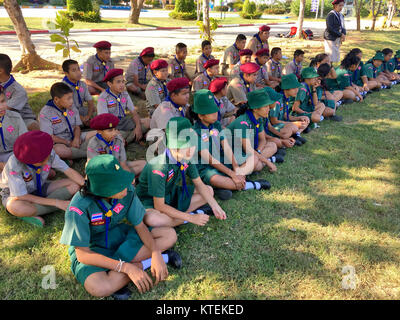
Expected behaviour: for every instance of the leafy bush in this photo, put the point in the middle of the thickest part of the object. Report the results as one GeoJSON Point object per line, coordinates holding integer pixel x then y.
{"type": "Point", "coordinates": [184, 10]}
{"type": "Point", "coordinates": [183, 15]}
{"type": "Point", "coordinates": [91, 16]}
{"type": "Point", "coordinates": [221, 8]}
{"type": "Point", "coordinates": [79, 5]}
{"type": "Point", "coordinates": [57, 2]}
{"type": "Point", "coordinates": [236, 6]}
{"type": "Point", "coordinates": [364, 12]}
{"type": "Point", "coordinates": [250, 10]}
{"type": "Point", "coordinates": [275, 11]}
{"type": "Point", "coordinates": [169, 7]}
{"type": "Point", "coordinates": [295, 8]}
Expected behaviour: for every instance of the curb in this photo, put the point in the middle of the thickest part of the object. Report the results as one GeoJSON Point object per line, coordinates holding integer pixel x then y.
{"type": "Point", "coordinates": [140, 29]}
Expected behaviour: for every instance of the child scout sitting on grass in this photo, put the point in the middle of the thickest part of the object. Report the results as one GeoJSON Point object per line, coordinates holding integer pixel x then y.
{"type": "Point", "coordinates": [11, 127]}
{"type": "Point", "coordinates": [240, 86]}
{"type": "Point", "coordinates": [206, 55]}
{"type": "Point", "coordinates": [373, 71]}
{"type": "Point", "coordinates": [295, 65]}
{"type": "Point", "coordinates": [73, 76]}
{"type": "Point", "coordinates": [231, 55]}
{"type": "Point", "coordinates": [274, 67]}
{"type": "Point", "coordinates": [226, 109]}
{"type": "Point", "coordinates": [389, 66]}
{"type": "Point", "coordinates": [259, 40]}
{"type": "Point", "coordinates": [106, 253]}
{"type": "Point", "coordinates": [248, 138]}
{"type": "Point", "coordinates": [108, 141]}
{"type": "Point", "coordinates": [176, 65]}
{"type": "Point", "coordinates": [96, 67]}
{"type": "Point", "coordinates": [163, 188]}
{"type": "Point", "coordinates": [213, 149]}
{"type": "Point", "coordinates": [15, 94]}
{"type": "Point", "coordinates": [156, 90]}
{"type": "Point", "coordinates": [116, 100]}
{"type": "Point", "coordinates": [245, 57]}
{"type": "Point", "coordinates": [359, 76]}
{"type": "Point", "coordinates": [61, 120]}
{"type": "Point", "coordinates": [175, 105]}
{"type": "Point", "coordinates": [136, 75]}
{"type": "Point", "coordinates": [26, 192]}
{"type": "Point", "coordinates": [203, 80]}
{"type": "Point", "coordinates": [262, 75]}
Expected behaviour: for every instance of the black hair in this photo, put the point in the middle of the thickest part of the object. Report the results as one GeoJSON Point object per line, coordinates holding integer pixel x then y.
{"type": "Point", "coordinates": [298, 52]}
{"type": "Point", "coordinates": [5, 63]}
{"type": "Point", "coordinates": [324, 69]}
{"type": "Point", "coordinates": [387, 51]}
{"type": "Point", "coordinates": [355, 51]}
{"type": "Point", "coordinates": [275, 50]}
{"type": "Point", "coordinates": [318, 58]}
{"type": "Point", "coordinates": [85, 192]}
{"type": "Point", "coordinates": [192, 116]}
{"type": "Point", "coordinates": [205, 43]}
{"type": "Point", "coordinates": [180, 46]}
{"type": "Point", "coordinates": [350, 60]}
{"type": "Point", "coordinates": [240, 37]}
{"type": "Point", "coordinates": [67, 63]}
{"type": "Point", "coordinates": [59, 90]}
{"type": "Point", "coordinates": [242, 109]}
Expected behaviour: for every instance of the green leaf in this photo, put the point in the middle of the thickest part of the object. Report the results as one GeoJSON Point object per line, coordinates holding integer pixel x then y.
{"type": "Point", "coordinates": [65, 53]}
{"type": "Point", "coordinates": [75, 48]}
{"type": "Point", "coordinates": [57, 38]}
{"type": "Point", "coordinates": [59, 47]}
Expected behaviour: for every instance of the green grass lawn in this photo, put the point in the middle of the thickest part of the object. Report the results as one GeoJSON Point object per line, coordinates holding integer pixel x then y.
{"type": "Point", "coordinates": [333, 203]}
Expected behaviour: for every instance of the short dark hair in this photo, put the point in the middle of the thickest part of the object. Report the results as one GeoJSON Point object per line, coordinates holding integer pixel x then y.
{"type": "Point", "coordinates": [387, 51]}
{"type": "Point", "coordinates": [355, 51]}
{"type": "Point", "coordinates": [324, 69]}
{"type": "Point", "coordinates": [205, 43]}
{"type": "Point", "coordinates": [59, 90]}
{"type": "Point", "coordinates": [298, 52]}
{"type": "Point", "coordinates": [67, 63]}
{"type": "Point", "coordinates": [240, 37]}
{"type": "Point", "coordinates": [275, 50]}
{"type": "Point", "coordinates": [5, 63]}
{"type": "Point", "coordinates": [180, 46]}
{"type": "Point", "coordinates": [350, 60]}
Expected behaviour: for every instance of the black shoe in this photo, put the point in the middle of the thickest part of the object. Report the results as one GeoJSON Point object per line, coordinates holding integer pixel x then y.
{"type": "Point", "coordinates": [223, 194]}
{"type": "Point", "coordinates": [122, 294]}
{"type": "Point", "coordinates": [174, 258]}
{"type": "Point", "coordinates": [206, 209]}
{"type": "Point", "coordinates": [281, 152]}
{"type": "Point", "coordinates": [276, 158]}
{"type": "Point", "coordinates": [303, 140]}
{"type": "Point", "coordinates": [335, 118]}
{"type": "Point", "coordinates": [307, 130]}
{"type": "Point", "coordinates": [265, 185]}
{"type": "Point", "coordinates": [298, 142]}
{"type": "Point", "coordinates": [347, 101]}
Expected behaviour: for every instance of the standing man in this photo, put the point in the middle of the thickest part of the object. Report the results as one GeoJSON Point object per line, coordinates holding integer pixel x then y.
{"type": "Point", "coordinates": [335, 32]}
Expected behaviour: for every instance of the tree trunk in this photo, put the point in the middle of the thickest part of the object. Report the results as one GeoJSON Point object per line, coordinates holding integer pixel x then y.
{"type": "Point", "coordinates": [357, 7]}
{"type": "Point", "coordinates": [300, 20]}
{"type": "Point", "coordinates": [374, 15]}
{"type": "Point", "coordinates": [136, 6]}
{"type": "Point", "coordinates": [30, 60]}
{"type": "Point", "coordinates": [206, 19]}
{"type": "Point", "coordinates": [392, 8]}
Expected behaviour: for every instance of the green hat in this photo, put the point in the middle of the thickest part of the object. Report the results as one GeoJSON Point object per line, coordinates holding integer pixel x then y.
{"type": "Point", "coordinates": [290, 81]}
{"type": "Point", "coordinates": [204, 102]}
{"type": "Point", "coordinates": [308, 73]}
{"type": "Point", "coordinates": [106, 176]}
{"type": "Point", "coordinates": [397, 55]}
{"type": "Point", "coordinates": [176, 139]}
{"type": "Point", "coordinates": [258, 99]}
{"type": "Point", "coordinates": [275, 96]}
{"type": "Point", "coordinates": [378, 56]}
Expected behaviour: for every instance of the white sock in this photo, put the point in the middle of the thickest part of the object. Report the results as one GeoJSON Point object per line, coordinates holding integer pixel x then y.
{"type": "Point", "coordinates": [322, 118]}
{"type": "Point", "coordinates": [298, 134]}
{"type": "Point", "coordinates": [272, 159]}
{"type": "Point", "coordinates": [250, 186]}
{"type": "Point", "coordinates": [147, 263]}
{"type": "Point", "coordinates": [357, 99]}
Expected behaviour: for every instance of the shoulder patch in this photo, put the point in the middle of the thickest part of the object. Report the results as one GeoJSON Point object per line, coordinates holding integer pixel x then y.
{"type": "Point", "coordinates": [159, 173]}
{"type": "Point", "coordinates": [75, 209]}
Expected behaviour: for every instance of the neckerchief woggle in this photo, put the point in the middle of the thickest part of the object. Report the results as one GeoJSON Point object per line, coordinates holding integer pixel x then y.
{"type": "Point", "coordinates": [247, 85]}
{"type": "Point", "coordinates": [257, 125]}
{"type": "Point", "coordinates": [109, 145]}
{"type": "Point", "coordinates": [178, 107]}
{"type": "Point", "coordinates": [65, 114]}
{"type": "Point", "coordinates": [2, 135]}
{"type": "Point", "coordinates": [103, 63]}
{"type": "Point", "coordinates": [38, 170]}
{"type": "Point", "coordinates": [180, 66]}
{"type": "Point", "coordinates": [182, 170]}
{"type": "Point", "coordinates": [107, 213]}
{"type": "Point", "coordinates": [76, 88]}
{"type": "Point", "coordinates": [309, 92]}
{"type": "Point", "coordinates": [145, 68]}
{"type": "Point", "coordinates": [8, 83]}
{"type": "Point", "coordinates": [120, 108]}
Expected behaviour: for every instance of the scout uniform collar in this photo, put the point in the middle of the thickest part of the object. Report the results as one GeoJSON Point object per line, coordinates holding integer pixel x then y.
{"type": "Point", "coordinates": [146, 67]}
{"type": "Point", "coordinates": [75, 86]}
{"type": "Point", "coordinates": [182, 167]}
{"type": "Point", "coordinates": [2, 134]}
{"type": "Point", "coordinates": [257, 36]}
{"type": "Point", "coordinates": [37, 170]}
{"type": "Point", "coordinates": [103, 63]}
{"type": "Point", "coordinates": [107, 213]}
{"type": "Point", "coordinates": [180, 66]}
{"type": "Point", "coordinates": [109, 145]}
{"type": "Point", "coordinates": [206, 74]}
{"type": "Point", "coordinates": [258, 62]}
{"type": "Point", "coordinates": [178, 107]}
{"type": "Point", "coordinates": [205, 57]}
{"type": "Point", "coordinates": [256, 123]}
{"type": "Point", "coordinates": [8, 83]}
{"type": "Point", "coordinates": [65, 115]}
{"type": "Point", "coordinates": [162, 82]}
{"type": "Point", "coordinates": [247, 84]}
{"type": "Point", "coordinates": [277, 64]}
{"type": "Point", "coordinates": [121, 111]}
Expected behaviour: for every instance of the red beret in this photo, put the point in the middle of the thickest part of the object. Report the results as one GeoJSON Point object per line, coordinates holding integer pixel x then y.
{"type": "Point", "coordinates": [33, 147]}
{"type": "Point", "coordinates": [264, 28]}
{"type": "Point", "coordinates": [245, 52]}
{"type": "Point", "coordinates": [262, 52]}
{"type": "Point", "coordinates": [337, 1]}
{"type": "Point", "coordinates": [210, 63]}
{"type": "Point", "coordinates": [249, 67]}
{"type": "Point", "coordinates": [158, 64]}
{"type": "Point", "coordinates": [104, 121]}
{"type": "Point", "coordinates": [218, 84]}
{"type": "Point", "coordinates": [112, 73]}
{"type": "Point", "coordinates": [102, 45]}
{"type": "Point", "coordinates": [148, 50]}
{"type": "Point", "coordinates": [177, 83]}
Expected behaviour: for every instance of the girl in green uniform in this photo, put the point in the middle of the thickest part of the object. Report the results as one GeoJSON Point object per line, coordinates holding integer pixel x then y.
{"type": "Point", "coordinates": [105, 252]}
{"type": "Point", "coordinates": [359, 75]}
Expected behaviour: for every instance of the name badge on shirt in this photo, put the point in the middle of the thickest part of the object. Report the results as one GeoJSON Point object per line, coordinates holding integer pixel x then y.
{"type": "Point", "coordinates": [27, 176]}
